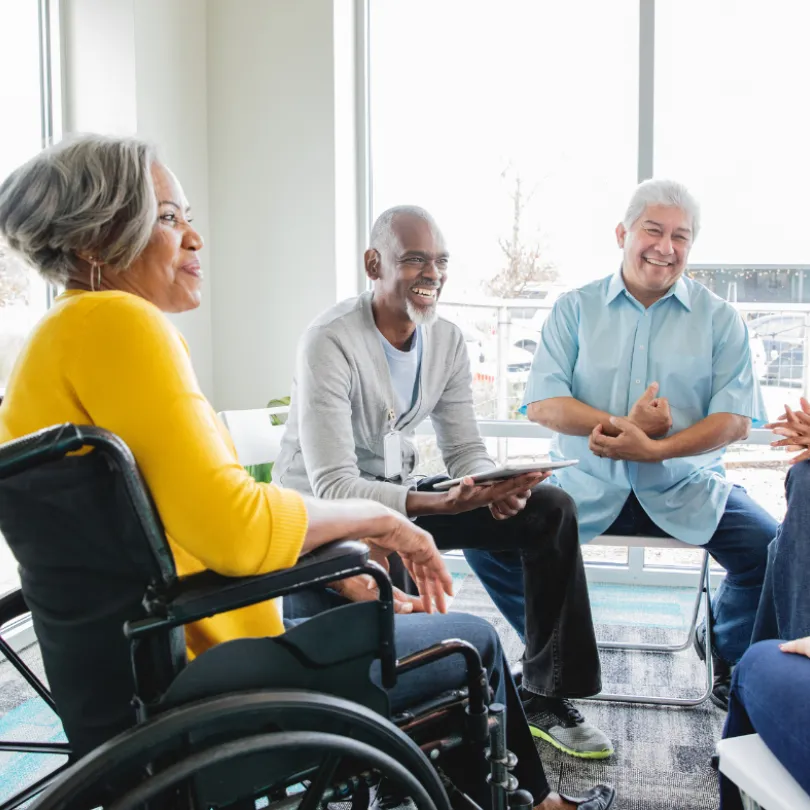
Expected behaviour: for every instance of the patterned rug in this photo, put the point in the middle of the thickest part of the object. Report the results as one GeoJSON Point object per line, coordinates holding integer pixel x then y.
{"type": "Point", "coordinates": [662, 753]}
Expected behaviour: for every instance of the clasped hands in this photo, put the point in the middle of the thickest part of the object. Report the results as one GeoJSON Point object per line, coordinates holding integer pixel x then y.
{"type": "Point", "coordinates": [633, 437]}
{"type": "Point", "coordinates": [794, 427]}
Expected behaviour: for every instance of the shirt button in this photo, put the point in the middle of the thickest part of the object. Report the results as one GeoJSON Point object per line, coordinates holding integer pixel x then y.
{"type": "Point", "coordinates": [638, 382]}
{"type": "Point", "coordinates": [641, 347]}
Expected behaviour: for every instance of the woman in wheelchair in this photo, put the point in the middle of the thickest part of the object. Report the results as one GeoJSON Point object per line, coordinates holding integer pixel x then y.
{"type": "Point", "coordinates": [105, 219]}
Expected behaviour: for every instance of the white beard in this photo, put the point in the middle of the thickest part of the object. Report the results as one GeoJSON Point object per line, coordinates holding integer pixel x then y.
{"type": "Point", "coordinates": [421, 317]}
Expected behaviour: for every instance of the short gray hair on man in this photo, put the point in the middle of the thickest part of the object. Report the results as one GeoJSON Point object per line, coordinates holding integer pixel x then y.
{"type": "Point", "coordinates": [662, 192]}
{"type": "Point", "coordinates": [382, 232]}
{"type": "Point", "coordinates": [90, 195]}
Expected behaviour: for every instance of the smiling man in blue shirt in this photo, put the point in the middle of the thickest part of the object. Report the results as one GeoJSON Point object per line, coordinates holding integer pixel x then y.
{"type": "Point", "coordinates": [646, 377]}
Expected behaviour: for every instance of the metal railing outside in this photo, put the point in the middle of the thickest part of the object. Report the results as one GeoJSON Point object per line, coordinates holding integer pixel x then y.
{"type": "Point", "coordinates": [501, 347]}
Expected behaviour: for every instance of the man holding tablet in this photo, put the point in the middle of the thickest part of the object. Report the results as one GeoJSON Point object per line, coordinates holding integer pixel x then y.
{"type": "Point", "coordinates": [369, 370]}
{"type": "Point", "coordinates": [646, 377]}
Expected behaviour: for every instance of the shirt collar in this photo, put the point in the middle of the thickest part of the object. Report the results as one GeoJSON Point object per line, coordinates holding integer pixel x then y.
{"type": "Point", "coordinates": [679, 290]}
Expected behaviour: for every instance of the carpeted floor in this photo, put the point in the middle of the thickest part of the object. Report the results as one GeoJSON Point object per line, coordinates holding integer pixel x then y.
{"type": "Point", "coordinates": [662, 754]}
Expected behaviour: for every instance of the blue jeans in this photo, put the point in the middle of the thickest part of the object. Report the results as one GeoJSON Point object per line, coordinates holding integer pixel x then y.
{"type": "Point", "coordinates": [740, 545]}
{"type": "Point", "coordinates": [468, 769]}
{"type": "Point", "coordinates": [784, 610]}
{"type": "Point", "coordinates": [770, 696]}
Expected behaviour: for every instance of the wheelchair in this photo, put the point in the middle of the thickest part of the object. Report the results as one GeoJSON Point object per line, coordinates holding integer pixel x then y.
{"type": "Point", "coordinates": [292, 722]}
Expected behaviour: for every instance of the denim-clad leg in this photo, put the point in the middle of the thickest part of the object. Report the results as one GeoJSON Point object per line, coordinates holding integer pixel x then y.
{"type": "Point", "coordinates": [502, 577]}
{"type": "Point", "coordinates": [784, 609]}
{"type": "Point", "coordinates": [770, 697]}
{"type": "Point", "coordinates": [467, 769]}
{"type": "Point", "coordinates": [740, 545]}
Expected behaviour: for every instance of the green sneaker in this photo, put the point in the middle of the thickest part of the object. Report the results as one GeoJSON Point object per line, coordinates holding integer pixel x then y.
{"type": "Point", "coordinates": [556, 721]}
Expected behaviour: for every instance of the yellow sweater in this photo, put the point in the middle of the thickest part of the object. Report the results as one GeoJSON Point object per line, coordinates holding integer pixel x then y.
{"type": "Point", "coordinates": [114, 360]}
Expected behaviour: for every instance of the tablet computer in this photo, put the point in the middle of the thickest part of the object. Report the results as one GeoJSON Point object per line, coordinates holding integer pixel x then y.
{"type": "Point", "coordinates": [508, 471]}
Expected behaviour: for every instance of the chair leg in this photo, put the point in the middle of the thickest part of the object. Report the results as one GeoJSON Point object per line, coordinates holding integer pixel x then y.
{"type": "Point", "coordinates": [704, 595]}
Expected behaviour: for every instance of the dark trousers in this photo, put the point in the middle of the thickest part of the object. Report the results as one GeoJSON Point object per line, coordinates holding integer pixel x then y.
{"type": "Point", "coordinates": [466, 768]}
{"type": "Point", "coordinates": [531, 566]}
{"type": "Point", "coordinates": [770, 696]}
{"type": "Point", "coordinates": [740, 545]}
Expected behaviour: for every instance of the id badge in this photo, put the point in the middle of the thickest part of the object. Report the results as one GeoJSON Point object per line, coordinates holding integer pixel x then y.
{"type": "Point", "coordinates": [392, 454]}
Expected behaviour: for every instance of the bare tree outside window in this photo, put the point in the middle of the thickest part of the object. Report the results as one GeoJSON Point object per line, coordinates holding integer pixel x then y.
{"type": "Point", "coordinates": [527, 267]}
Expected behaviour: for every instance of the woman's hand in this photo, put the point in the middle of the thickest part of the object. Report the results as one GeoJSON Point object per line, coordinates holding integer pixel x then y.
{"type": "Point", "coordinates": [801, 646]}
{"type": "Point", "coordinates": [385, 531]}
{"type": "Point", "coordinates": [794, 427]}
{"type": "Point", "coordinates": [420, 557]}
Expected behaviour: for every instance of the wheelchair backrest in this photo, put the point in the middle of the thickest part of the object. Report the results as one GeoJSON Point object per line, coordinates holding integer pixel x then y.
{"type": "Point", "coordinates": [89, 545]}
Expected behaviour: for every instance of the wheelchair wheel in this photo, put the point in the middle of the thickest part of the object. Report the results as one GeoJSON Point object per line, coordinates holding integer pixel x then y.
{"type": "Point", "coordinates": [333, 747]}
{"type": "Point", "coordinates": [227, 751]}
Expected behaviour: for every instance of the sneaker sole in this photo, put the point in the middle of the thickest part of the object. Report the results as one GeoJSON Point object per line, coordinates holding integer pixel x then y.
{"type": "Point", "coordinates": [539, 733]}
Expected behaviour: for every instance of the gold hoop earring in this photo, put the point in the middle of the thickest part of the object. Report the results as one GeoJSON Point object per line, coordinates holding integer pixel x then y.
{"type": "Point", "coordinates": [95, 275]}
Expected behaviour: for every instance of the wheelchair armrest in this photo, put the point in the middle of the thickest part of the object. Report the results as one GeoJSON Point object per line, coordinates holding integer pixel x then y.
{"type": "Point", "coordinates": [207, 593]}
{"type": "Point", "coordinates": [12, 606]}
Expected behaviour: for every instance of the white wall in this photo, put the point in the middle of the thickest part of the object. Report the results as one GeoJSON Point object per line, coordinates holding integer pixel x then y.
{"type": "Point", "coordinates": [274, 194]}
{"type": "Point", "coordinates": [98, 70]}
{"type": "Point", "coordinates": [171, 94]}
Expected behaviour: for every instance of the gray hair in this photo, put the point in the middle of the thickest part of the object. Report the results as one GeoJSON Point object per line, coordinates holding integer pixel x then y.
{"type": "Point", "coordinates": [662, 192]}
{"type": "Point", "coordinates": [382, 232]}
{"type": "Point", "coordinates": [87, 195]}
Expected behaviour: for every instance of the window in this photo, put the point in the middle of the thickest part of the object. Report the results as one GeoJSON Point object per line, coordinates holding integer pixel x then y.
{"type": "Point", "coordinates": [495, 123]}
{"type": "Point", "coordinates": [488, 117]}
{"type": "Point", "coordinates": [29, 107]}
{"type": "Point", "coordinates": [524, 131]}
{"type": "Point", "coordinates": [729, 122]}
{"type": "Point", "coordinates": [524, 126]}
{"type": "Point", "coordinates": [26, 104]}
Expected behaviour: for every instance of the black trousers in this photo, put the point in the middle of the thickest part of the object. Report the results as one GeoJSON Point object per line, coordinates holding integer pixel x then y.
{"type": "Point", "coordinates": [531, 565]}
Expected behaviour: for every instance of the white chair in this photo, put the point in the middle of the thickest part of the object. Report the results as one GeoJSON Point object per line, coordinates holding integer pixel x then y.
{"type": "Point", "coordinates": [703, 593]}
{"type": "Point", "coordinates": [748, 762]}
{"type": "Point", "coordinates": [257, 441]}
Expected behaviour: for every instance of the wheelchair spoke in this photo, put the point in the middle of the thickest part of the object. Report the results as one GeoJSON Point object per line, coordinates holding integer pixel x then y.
{"type": "Point", "coordinates": [323, 779]}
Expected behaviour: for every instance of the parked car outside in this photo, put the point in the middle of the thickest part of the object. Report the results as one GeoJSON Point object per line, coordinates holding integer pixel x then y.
{"type": "Point", "coordinates": [781, 337]}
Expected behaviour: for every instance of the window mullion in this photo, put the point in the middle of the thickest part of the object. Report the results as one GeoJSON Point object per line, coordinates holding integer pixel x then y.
{"type": "Point", "coordinates": [646, 88]}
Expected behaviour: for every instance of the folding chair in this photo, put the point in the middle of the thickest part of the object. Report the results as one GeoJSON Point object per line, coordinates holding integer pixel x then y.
{"type": "Point", "coordinates": [702, 594]}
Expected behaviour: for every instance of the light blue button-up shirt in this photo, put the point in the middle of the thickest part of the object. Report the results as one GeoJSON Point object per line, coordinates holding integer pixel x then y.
{"type": "Point", "coordinates": [602, 347]}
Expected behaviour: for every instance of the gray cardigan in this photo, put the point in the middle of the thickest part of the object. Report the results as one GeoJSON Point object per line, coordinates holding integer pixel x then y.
{"type": "Point", "coordinates": [341, 397]}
